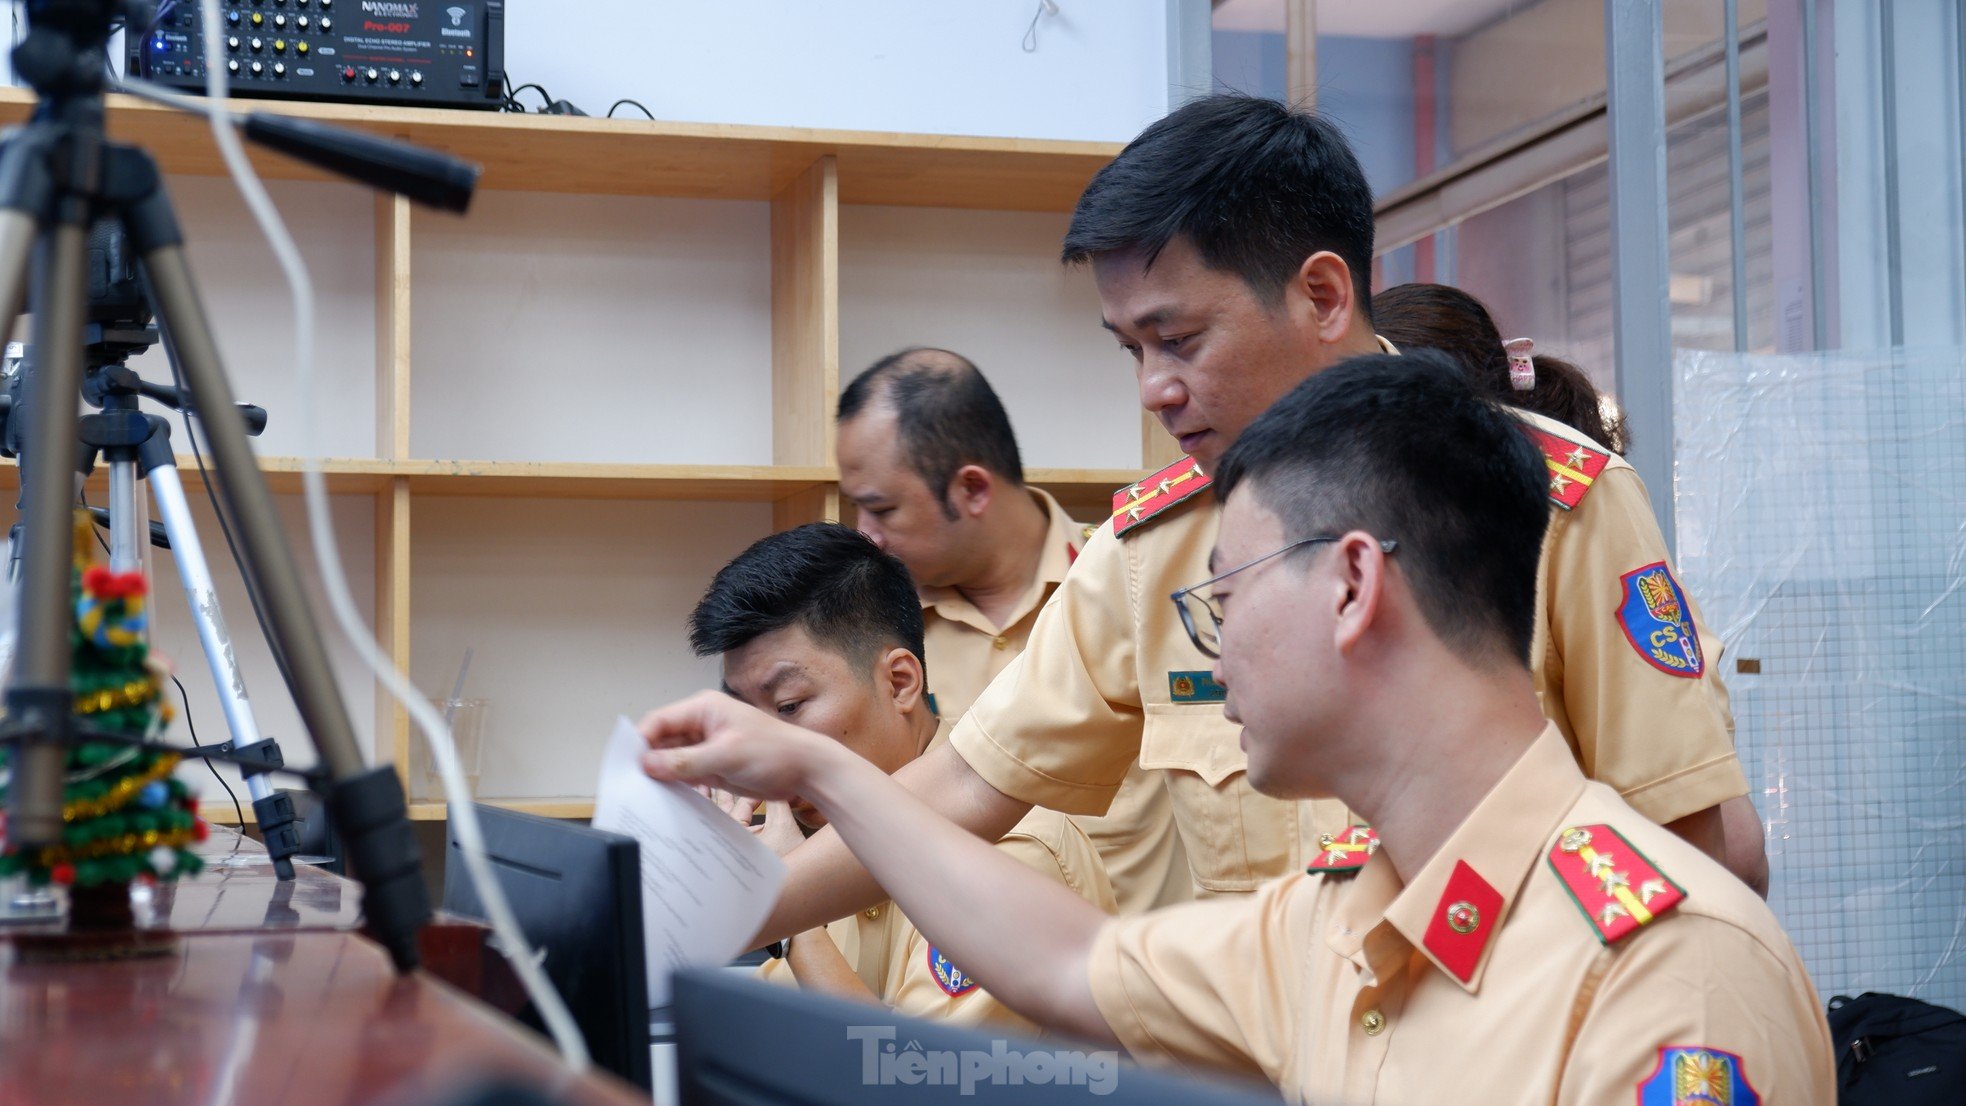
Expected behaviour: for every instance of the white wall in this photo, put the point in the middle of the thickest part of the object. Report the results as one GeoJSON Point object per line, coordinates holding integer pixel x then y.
{"type": "Point", "coordinates": [593, 328]}
{"type": "Point", "coordinates": [1099, 71]}
{"type": "Point", "coordinates": [252, 311]}
{"type": "Point", "coordinates": [575, 612]}
{"type": "Point", "coordinates": [988, 285]}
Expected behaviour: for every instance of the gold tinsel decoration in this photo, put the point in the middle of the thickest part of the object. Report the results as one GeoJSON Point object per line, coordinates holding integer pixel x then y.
{"type": "Point", "coordinates": [121, 793]}
{"type": "Point", "coordinates": [133, 694]}
{"type": "Point", "coordinates": [117, 846]}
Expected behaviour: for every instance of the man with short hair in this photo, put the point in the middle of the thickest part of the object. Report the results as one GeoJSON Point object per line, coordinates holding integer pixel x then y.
{"type": "Point", "coordinates": [821, 629]}
{"type": "Point", "coordinates": [928, 457]}
{"type": "Point", "coordinates": [1231, 244]}
{"type": "Point", "coordinates": [1507, 930]}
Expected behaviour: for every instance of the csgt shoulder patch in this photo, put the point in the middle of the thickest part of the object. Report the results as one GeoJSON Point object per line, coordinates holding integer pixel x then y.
{"type": "Point", "coordinates": [953, 980]}
{"type": "Point", "coordinates": [1653, 611]}
{"type": "Point", "coordinates": [1690, 1075]}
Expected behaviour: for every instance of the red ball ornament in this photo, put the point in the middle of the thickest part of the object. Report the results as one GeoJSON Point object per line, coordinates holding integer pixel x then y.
{"type": "Point", "coordinates": [63, 873]}
{"type": "Point", "coordinates": [200, 830]}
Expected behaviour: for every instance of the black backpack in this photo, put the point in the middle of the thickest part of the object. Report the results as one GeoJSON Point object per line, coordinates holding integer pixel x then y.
{"type": "Point", "coordinates": [1898, 1051]}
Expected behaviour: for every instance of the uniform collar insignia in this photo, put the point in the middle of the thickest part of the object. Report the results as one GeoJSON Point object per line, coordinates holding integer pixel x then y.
{"type": "Point", "coordinates": [1346, 851]}
{"type": "Point", "coordinates": [1139, 502]}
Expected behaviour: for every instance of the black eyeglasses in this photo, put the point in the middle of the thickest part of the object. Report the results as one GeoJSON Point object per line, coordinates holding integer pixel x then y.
{"type": "Point", "coordinates": [1203, 620]}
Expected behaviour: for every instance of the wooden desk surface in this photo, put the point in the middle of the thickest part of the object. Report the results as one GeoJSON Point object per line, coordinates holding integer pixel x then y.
{"type": "Point", "coordinates": [238, 893]}
{"type": "Point", "coordinates": [289, 1017]}
{"type": "Point", "coordinates": [265, 995]}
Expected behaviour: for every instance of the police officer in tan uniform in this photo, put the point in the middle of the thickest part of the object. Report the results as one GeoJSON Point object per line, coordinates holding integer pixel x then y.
{"type": "Point", "coordinates": [928, 457]}
{"type": "Point", "coordinates": [1231, 245]}
{"type": "Point", "coordinates": [1606, 665]}
{"type": "Point", "coordinates": [818, 627]}
{"type": "Point", "coordinates": [1507, 930]}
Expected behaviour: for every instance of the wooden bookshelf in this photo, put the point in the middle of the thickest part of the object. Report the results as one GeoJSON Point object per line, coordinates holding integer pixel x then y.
{"type": "Point", "coordinates": [639, 157]}
{"type": "Point", "coordinates": [805, 177]}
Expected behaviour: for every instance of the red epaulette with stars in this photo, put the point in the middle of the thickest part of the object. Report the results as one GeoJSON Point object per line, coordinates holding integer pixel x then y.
{"type": "Point", "coordinates": [1344, 852]}
{"type": "Point", "coordinates": [1613, 883]}
{"type": "Point", "coordinates": [1139, 502]}
{"type": "Point", "coordinates": [1573, 466]}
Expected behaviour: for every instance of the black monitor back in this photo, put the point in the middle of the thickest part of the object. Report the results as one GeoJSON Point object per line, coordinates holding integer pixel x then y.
{"type": "Point", "coordinates": [741, 1042]}
{"type": "Point", "coordinates": [577, 894]}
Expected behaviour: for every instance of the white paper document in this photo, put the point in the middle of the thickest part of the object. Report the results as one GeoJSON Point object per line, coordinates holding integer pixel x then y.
{"type": "Point", "coordinates": [707, 883]}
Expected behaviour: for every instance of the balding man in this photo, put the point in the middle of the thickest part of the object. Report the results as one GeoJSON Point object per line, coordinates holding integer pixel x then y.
{"type": "Point", "coordinates": [928, 457]}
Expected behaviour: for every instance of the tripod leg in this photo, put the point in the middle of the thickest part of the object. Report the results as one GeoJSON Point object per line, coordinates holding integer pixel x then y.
{"type": "Point", "coordinates": [271, 563]}
{"type": "Point", "coordinates": [17, 230]}
{"type": "Point", "coordinates": [366, 803]}
{"type": "Point", "coordinates": [129, 525]}
{"type": "Point", "coordinates": [38, 694]}
{"type": "Point", "coordinates": [274, 811]}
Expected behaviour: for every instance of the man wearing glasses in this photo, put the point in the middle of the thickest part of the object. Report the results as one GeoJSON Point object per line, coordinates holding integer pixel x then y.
{"type": "Point", "coordinates": [1513, 933]}
{"type": "Point", "coordinates": [1231, 244]}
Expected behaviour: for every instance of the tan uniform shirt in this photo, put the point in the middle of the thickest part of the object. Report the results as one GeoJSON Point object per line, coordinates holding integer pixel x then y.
{"type": "Point", "coordinates": [898, 964]}
{"type": "Point", "coordinates": [1350, 989]}
{"type": "Point", "coordinates": [1135, 837]}
{"type": "Point", "coordinates": [1092, 692]}
{"type": "Point", "coordinates": [1664, 739]}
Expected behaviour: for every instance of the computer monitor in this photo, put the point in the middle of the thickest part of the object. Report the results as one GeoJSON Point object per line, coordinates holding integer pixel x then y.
{"type": "Point", "coordinates": [742, 1042]}
{"type": "Point", "coordinates": [577, 894]}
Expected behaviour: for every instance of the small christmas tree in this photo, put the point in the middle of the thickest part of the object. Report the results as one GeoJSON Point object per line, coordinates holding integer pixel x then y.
{"type": "Point", "coordinates": [124, 817]}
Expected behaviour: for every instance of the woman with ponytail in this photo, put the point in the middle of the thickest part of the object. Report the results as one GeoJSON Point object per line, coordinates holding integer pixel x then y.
{"type": "Point", "coordinates": [1435, 316]}
{"type": "Point", "coordinates": [1621, 653]}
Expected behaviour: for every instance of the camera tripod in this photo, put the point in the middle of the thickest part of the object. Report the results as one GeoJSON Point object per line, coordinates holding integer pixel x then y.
{"type": "Point", "coordinates": [137, 448]}
{"type": "Point", "coordinates": [58, 175]}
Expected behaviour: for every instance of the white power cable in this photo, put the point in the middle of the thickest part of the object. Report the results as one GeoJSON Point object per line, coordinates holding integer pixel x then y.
{"type": "Point", "coordinates": [512, 942]}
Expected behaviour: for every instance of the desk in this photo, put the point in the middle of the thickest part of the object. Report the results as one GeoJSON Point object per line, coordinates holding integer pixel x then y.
{"type": "Point", "coordinates": [238, 892]}
{"type": "Point", "coordinates": [266, 996]}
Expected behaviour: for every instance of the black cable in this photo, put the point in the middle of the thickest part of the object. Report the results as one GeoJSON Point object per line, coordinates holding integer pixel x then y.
{"type": "Point", "coordinates": [512, 103]}
{"type": "Point", "coordinates": [635, 103]}
{"type": "Point", "coordinates": [237, 810]}
{"type": "Point", "coordinates": [104, 542]}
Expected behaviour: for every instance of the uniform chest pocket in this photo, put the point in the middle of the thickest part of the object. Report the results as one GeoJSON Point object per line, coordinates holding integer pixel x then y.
{"type": "Point", "coordinates": [1193, 739]}
{"type": "Point", "coordinates": [1235, 838]}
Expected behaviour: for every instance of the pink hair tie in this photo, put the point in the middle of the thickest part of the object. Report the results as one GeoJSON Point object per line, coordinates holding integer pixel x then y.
{"type": "Point", "coordinates": [1522, 370]}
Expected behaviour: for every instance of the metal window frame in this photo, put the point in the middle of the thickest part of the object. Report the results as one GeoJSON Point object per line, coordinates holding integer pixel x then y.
{"type": "Point", "coordinates": [1641, 311]}
{"type": "Point", "coordinates": [1557, 147]}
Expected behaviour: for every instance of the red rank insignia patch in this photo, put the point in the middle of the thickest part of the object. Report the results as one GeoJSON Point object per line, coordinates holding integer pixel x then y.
{"type": "Point", "coordinates": [1613, 883]}
{"type": "Point", "coordinates": [1573, 467]}
{"type": "Point", "coordinates": [1136, 503]}
{"type": "Point", "coordinates": [1467, 915]}
{"type": "Point", "coordinates": [1344, 852]}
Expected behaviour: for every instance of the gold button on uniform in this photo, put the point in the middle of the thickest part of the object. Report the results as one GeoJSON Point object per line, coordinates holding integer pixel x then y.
{"type": "Point", "coordinates": [873, 912]}
{"type": "Point", "coordinates": [1372, 1021]}
{"type": "Point", "coordinates": [1001, 642]}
